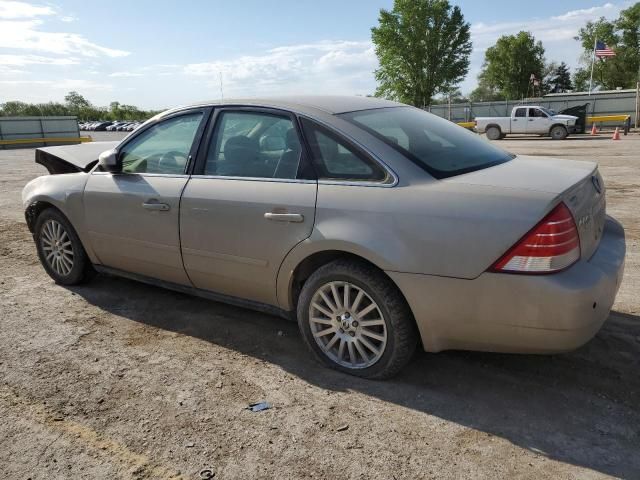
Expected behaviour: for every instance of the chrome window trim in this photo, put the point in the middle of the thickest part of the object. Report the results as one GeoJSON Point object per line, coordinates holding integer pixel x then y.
{"type": "Point", "coordinates": [171, 175]}
{"type": "Point", "coordinates": [365, 183]}
{"type": "Point", "coordinates": [255, 179]}
{"type": "Point", "coordinates": [356, 183]}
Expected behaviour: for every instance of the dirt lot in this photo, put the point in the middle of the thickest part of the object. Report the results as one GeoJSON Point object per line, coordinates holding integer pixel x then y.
{"type": "Point", "coordinates": [121, 380]}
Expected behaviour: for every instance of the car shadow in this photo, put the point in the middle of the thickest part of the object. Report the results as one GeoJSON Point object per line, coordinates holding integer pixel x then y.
{"type": "Point", "coordinates": [580, 137]}
{"type": "Point", "coordinates": [581, 408]}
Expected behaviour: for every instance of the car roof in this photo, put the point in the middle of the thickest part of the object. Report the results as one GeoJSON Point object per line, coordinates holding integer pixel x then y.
{"type": "Point", "coordinates": [310, 104]}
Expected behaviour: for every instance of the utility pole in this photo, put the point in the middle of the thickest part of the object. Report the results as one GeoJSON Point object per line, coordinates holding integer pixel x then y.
{"type": "Point", "coordinates": [593, 61]}
{"type": "Point", "coordinates": [638, 100]}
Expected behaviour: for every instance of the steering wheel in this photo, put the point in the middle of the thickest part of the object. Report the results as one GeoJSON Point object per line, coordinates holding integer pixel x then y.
{"type": "Point", "coordinates": [169, 161]}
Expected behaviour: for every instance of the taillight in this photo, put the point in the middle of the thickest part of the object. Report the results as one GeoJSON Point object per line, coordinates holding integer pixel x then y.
{"type": "Point", "coordinates": [552, 245]}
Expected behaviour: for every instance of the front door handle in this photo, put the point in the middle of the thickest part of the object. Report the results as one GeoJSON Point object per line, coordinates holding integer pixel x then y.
{"type": "Point", "coordinates": [284, 217]}
{"type": "Point", "coordinates": [155, 205]}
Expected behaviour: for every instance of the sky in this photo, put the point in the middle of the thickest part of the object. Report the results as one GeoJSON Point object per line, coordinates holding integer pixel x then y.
{"type": "Point", "coordinates": [158, 54]}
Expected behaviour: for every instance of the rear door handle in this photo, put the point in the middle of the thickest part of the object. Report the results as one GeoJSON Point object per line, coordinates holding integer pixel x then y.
{"type": "Point", "coordinates": [155, 205]}
{"type": "Point", "coordinates": [284, 217]}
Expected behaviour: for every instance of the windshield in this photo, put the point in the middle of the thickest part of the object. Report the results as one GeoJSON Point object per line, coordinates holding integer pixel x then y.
{"type": "Point", "coordinates": [440, 147]}
{"type": "Point", "coordinates": [551, 113]}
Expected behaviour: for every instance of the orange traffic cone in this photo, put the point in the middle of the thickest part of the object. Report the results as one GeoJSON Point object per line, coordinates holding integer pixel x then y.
{"type": "Point", "coordinates": [594, 130]}
{"type": "Point", "coordinates": [616, 134]}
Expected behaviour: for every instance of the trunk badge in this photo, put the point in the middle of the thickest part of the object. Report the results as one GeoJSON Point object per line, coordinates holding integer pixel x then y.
{"type": "Point", "coordinates": [596, 184]}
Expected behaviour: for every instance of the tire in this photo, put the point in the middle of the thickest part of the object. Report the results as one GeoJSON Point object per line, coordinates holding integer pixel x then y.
{"type": "Point", "coordinates": [558, 132]}
{"type": "Point", "coordinates": [388, 340]}
{"type": "Point", "coordinates": [493, 133]}
{"type": "Point", "coordinates": [66, 262]}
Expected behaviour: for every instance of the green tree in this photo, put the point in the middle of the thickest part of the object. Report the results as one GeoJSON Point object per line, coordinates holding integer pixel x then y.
{"type": "Point", "coordinates": [509, 63]}
{"type": "Point", "coordinates": [75, 101]}
{"type": "Point", "coordinates": [623, 35]}
{"type": "Point", "coordinates": [560, 80]}
{"type": "Point", "coordinates": [423, 48]}
{"type": "Point", "coordinates": [455, 95]}
{"type": "Point", "coordinates": [484, 92]}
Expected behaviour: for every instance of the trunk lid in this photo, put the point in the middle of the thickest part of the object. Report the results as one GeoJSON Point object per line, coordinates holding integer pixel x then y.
{"type": "Point", "coordinates": [578, 184]}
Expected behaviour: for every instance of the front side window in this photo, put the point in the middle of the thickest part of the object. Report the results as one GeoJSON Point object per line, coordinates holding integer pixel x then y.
{"type": "Point", "coordinates": [440, 147]}
{"type": "Point", "coordinates": [537, 113]}
{"type": "Point", "coordinates": [336, 160]}
{"type": "Point", "coordinates": [163, 148]}
{"type": "Point", "coordinates": [254, 144]}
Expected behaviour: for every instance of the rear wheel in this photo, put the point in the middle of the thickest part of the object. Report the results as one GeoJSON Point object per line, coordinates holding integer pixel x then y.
{"type": "Point", "coordinates": [493, 133]}
{"type": "Point", "coordinates": [60, 250]}
{"type": "Point", "coordinates": [355, 320]}
{"type": "Point", "coordinates": [558, 132]}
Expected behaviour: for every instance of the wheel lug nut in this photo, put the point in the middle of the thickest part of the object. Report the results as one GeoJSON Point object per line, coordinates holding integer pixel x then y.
{"type": "Point", "coordinates": [354, 324]}
{"type": "Point", "coordinates": [353, 334]}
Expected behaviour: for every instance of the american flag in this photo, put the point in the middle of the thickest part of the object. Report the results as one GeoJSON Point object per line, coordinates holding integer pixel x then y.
{"type": "Point", "coordinates": [602, 50]}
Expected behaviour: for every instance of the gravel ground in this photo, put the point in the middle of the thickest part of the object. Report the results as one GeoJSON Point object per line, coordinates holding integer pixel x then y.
{"type": "Point", "coordinates": [121, 380]}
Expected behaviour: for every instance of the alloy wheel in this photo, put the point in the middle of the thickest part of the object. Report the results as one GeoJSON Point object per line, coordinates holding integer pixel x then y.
{"type": "Point", "coordinates": [57, 247]}
{"type": "Point", "coordinates": [347, 325]}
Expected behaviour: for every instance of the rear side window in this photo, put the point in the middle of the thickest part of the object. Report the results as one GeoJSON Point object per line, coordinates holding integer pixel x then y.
{"type": "Point", "coordinates": [335, 159]}
{"type": "Point", "coordinates": [521, 112]}
{"type": "Point", "coordinates": [440, 147]}
{"type": "Point", "coordinates": [254, 144]}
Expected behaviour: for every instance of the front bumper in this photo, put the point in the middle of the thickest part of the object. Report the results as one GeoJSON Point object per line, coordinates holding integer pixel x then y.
{"type": "Point", "coordinates": [519, 313]}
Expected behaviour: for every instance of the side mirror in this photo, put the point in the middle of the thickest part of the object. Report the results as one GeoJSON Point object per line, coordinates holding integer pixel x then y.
{"type": "Point", "coordinates": [108, 161]}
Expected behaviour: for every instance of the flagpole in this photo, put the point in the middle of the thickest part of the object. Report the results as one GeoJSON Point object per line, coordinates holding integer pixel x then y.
{"type": "Point", "coordinates": [593, 60]}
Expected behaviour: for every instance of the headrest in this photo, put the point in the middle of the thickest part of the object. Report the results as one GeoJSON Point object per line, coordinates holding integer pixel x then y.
{"type": "Point", "coordinates": [292, 140]}
{"type": "Point", "coordinates": [241, 149]}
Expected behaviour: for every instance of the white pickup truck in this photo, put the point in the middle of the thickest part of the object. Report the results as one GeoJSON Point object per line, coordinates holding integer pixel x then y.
{"type": "Point", "coordinates": [527, 119]}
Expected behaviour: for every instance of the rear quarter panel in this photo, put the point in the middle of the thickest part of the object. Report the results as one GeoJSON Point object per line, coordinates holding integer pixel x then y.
{"type": "Point", "coordinates": [430, 228]}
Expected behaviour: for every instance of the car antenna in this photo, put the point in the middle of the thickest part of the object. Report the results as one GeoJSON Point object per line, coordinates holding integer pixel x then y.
{"type": "Point", "coordinates": [221, 91]}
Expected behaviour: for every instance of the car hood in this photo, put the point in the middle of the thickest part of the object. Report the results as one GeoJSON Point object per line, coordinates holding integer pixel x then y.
{"type": "Point", "coordinates": [564, 117]}
{"type": "Point", "coordinates": [72, 158]}
{"type": "Point", "coordinates": [541, 174]}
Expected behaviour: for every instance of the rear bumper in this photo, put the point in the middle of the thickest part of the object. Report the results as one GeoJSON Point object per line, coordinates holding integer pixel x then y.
{"type": "Point", "coordinates": [519, 313]}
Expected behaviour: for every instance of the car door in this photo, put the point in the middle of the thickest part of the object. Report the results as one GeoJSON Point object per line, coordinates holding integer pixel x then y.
{"type": "Point", "coordinates": [133, 217]}
{"type": "Point", "coordinates": [519, 121]}
{"type": "Point", "coordinates": [250, 201]}
{"type": "Point", "coordinates": [538, 121]}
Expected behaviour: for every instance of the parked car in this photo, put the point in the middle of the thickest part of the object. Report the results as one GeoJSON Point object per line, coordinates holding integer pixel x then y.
{"type": "Point", "coordinates": [378, 226]}
{"type": "Point", "coordinates": [114, 126]}
{"type": "Point", "coordinates": [527, 119]}
{"type": "Point", "coordinates": [102, 126]}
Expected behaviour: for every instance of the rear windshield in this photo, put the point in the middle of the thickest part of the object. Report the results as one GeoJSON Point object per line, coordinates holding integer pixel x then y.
{"type": "Point", "coordinates": [440, 147]}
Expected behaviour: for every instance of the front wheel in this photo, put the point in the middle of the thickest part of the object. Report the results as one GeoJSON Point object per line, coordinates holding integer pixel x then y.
{"type": "Point", "coordinates": [60, 250]}
{"type": "Point", "coordinates": [355, 320]}
{"type": "Point", "coordinates": [558, 132]}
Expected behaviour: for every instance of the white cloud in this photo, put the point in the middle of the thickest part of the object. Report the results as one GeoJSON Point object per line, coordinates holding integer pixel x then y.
{"type": "Point", "coordinates": [125, 74]}
{"type": "Point", "coordinates": [12, 10]}
{"type": "Point", "coordinates": [62, 85]}
{"type": "Point", "coordinates": [326, 66]}
{"type": "Point", "coordinates": [21, 60]}
{"type": "Point", "coordinates": [589, 13]}
{"type": "Point", "coordinates": [26, 35]}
